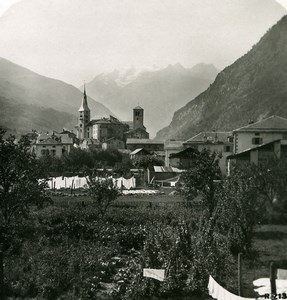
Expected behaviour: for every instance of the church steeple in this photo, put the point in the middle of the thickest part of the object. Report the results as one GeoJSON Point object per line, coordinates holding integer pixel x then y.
{"type": "Point", "coordinates": [84, 118]}
{"type": "Point", "coordinates": [84, 105]}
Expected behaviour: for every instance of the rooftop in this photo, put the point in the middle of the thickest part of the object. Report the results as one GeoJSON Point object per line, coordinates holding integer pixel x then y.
{"type": "Point", "coordinates": [138, 151]}
{"type": "Point", "coordinates": [210, 137]}
{"type": "Point", "coordinates": [170, 144]}
{"type": "Point", "coordinates": [273, 123]}
{"type": "Point", "coordinates": [144, 141]}
{"type": "Point", "coordinates": [263, 146]}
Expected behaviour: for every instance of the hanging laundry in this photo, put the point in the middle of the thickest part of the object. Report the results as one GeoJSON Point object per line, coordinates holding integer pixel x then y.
{"type": "Point", "coordinates": [264, 287]}
{"type": "Point", "coordinates": [216, 291]}
{"type": "Point", "coordinates": [282, 274]}
{"type": "Point", "coordinates": [157, 274]}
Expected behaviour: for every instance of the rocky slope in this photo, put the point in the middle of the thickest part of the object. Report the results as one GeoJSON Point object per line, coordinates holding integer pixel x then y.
{"type": "Point", "coordinates": [252, 88]}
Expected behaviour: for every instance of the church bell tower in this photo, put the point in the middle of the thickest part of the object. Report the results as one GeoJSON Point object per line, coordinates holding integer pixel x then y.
{"type": "Point", "coordinates": [138, 118]}
{"type": "Point", "coordinates": [84, 118]}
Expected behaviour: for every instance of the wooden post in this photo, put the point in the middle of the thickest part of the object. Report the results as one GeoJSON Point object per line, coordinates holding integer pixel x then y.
{"type": "Point", "coordinates": [239, 275]}
{"type": "Point", "coordinates": [273, 279]}
{"type": "Point", "coordinates": [54, 186]}
{"type": "Point", "coordinates": [72, 186]}
{"type": "Point", "coordinates": [2, 292]}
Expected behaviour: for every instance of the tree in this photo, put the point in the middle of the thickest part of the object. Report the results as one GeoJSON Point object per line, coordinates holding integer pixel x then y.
{"type": "Point", "coordinates": [200, 179]}
{"type": "Point", "coordinates": [77, 160]}
{"type": "Point", "coordinates": [19, 189]}
{"type": "Point", "coordinates": [239, 209]}
{"type": "Point", "coordinates": [146, 161]}
{"type": "Point", "coordinates": [103, 192]}
{"type": "Point", "coordinates": [19, 184]}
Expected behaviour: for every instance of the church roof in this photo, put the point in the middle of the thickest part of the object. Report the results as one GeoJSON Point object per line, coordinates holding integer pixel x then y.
{"type": "Point", "coordinates": [84, 105]}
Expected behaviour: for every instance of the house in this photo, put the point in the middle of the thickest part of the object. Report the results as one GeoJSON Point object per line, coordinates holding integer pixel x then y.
{"type": "Point", "coordinates": [171, 147]}
{"type": "Point", "coordinates": [215, 141]}
{"type": "Point", "coordinates": [165, 176]}
{"type": "Point", "coordinates": [147, 144]}
{"type": "Point", "coordinates": [259, 155]}
{"type": "Point", "coordinates": [183, 159]}
{"type": "Point", "coordinates": [139, 152]}
{"type": "Point", "coordinates": [52, 144]}
{"type": "Point", "coordinates": [262, 132]}
{"type": "Point", "coordinates": [113, 143]}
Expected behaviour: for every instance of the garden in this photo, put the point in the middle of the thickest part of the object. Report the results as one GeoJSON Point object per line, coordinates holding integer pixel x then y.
{"type": "Point", "coordinates": [96, 247]}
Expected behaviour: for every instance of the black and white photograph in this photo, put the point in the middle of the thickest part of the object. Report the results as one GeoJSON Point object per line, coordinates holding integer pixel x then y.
{"type": "Point", "coordinates": [143, 149]}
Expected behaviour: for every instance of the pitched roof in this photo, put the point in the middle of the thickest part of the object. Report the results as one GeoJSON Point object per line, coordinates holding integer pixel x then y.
{"type": "Point", "coordinates": [273, 123]}
{"type": "Point", "coordinates": [138, 151]}
{"type": "Point", "coordinates": [210, 137]}
{"type": "Point", "coordinates": [138, 107]}
{"type": "Point", "coordinates": [173, 144]}
{"type": "Point", "coordinates": [263, 146]}
{"type": "Point", "coordinates": [186, 153]}
{"type": "Point", "coordinates": [144, 141]}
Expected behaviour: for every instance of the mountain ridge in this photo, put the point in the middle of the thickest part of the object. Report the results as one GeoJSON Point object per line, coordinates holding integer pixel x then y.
{"type": "Point", "coordinates": [31, 91]}
{"type": "Point", "coordinates": [159, 91]}
{"type": "Point", "coordinates": [251, 88]}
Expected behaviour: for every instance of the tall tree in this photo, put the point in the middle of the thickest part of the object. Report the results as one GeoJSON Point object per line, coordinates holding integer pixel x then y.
{"type": "Point", "coordinates": [19, 184]}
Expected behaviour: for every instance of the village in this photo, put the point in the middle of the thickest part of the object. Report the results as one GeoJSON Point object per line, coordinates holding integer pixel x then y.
{"type": "Point", "coordinates": [163, 176]}
{"type": "Point", "coordinates": [254, 143]}
{"type": "Point", "coordinates": [116, 200]}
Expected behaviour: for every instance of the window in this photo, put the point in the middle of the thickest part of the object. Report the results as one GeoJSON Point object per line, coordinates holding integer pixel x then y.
{"type": "Point", "coordinates": [227, 148]}
{"type": "Point", "coordinates": [257, 133]}
{"type": "Point", "coordinates": [53, 152]}
{"type": "Point", "coordinates": [54, 146]}
{"type": "Point", "coordinates": [257, 141]}
{"type": "Point", "coordinates": [230, 139]}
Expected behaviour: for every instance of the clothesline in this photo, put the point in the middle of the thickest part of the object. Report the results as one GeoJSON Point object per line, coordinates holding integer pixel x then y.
{"type": "Point", "coordinates": [77, 182]}
{"type": "Point", "coordinates": [216, 291]}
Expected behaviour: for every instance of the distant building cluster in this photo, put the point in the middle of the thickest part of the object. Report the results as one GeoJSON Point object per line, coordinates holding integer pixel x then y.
{"type": "Point", "coordinates": [108, 132]}
{"type": "Point", "coordinates": [253, 143]}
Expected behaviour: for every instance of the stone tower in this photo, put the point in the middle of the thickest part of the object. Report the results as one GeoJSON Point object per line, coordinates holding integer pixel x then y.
{"type": "Point", "coordinates": [138, 119]}
{"type": "Point", "coordinates": [84, 117]}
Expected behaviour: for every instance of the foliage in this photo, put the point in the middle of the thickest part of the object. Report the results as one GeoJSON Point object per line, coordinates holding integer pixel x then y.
{"type": "Point", "coordinates": [145, 161]}
{"type": "Point", "coordinates": [80, 160]}
{"type": "Point", "coordinates": [103, 192]}
{"type": "Point", "coordinates": [19, 185]}
{"type": "Point", "coordinates": [240, 208]}
{"type": "Point", "coordinates": [199, 180]}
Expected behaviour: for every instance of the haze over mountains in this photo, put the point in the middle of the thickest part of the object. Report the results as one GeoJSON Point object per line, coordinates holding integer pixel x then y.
{"type": "Point", "coordinates": [252, 88]}
{"type": "Point", "coordinates": [159, 92]}
{"type": "Point", "coordinates": [31, 101]}
{"type": "Point", "coordinates": [73, 40]}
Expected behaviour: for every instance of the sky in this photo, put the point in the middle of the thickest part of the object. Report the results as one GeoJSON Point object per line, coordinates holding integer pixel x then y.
{"type": "Point", "coordinates": [5, 4]}
{"type": "Point", "coordinates": [74, 40]}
